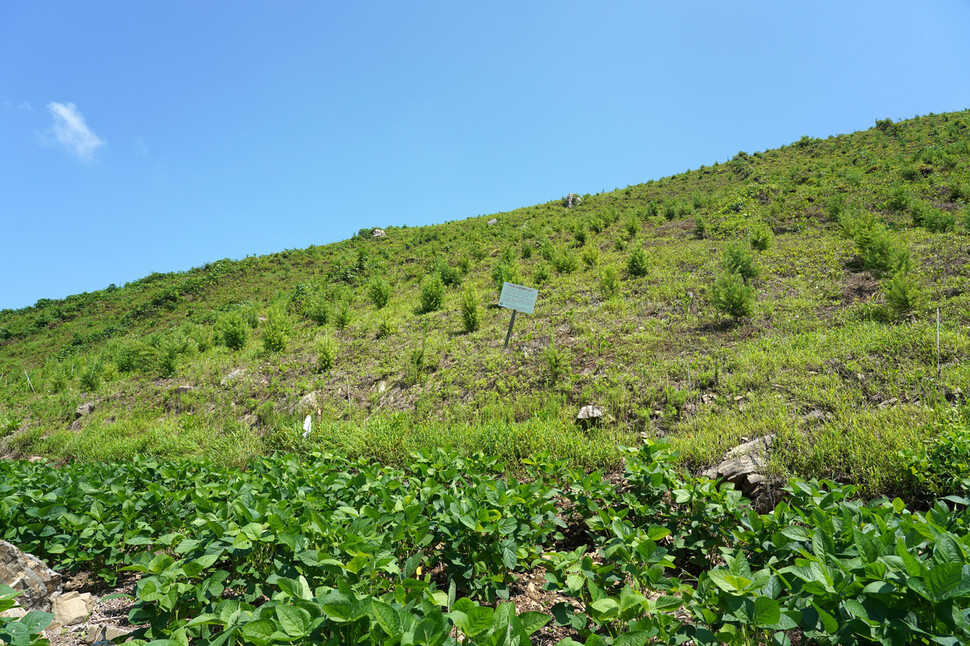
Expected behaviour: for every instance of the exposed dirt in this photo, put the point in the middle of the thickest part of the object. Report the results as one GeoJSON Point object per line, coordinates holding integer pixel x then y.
{"type": "Point", "coordinates": [107, 612]}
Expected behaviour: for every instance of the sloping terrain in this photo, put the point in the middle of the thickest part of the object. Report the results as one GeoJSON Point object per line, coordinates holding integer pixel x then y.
{"type": "Point", "coordinates": [792, 291]}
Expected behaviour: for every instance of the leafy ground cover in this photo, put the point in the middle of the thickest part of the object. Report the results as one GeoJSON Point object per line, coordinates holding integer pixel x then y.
{"type": "Point", "coordinates": [327, 550]}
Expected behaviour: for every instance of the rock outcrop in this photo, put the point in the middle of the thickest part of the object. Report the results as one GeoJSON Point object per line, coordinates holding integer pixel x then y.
{"type": "Point", "coordinates": [30, 575]}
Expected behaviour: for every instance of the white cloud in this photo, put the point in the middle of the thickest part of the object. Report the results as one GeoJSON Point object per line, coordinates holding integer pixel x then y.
{"type": "Point", "coordinates": [141, 149]}
{"type": "Point", "coordinates": [72, 132]}
{"type": "Point", "coordinates": [26, 106]}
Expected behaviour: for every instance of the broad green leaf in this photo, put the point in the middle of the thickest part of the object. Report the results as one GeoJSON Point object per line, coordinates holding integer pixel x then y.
{"type": "Point", "coordinates": [258, 632]}
{"type": "Point", "coordinates": [386, 617]}
{"type": "Point", "coordinates": [36, 621]}
{"type": "Point", "coordinates": [828, 621]}
{"type": "Point", "coordinates": [947, 550]}
{"type": "Point", "coordinates": [944, 581]}
{"type": "Point", "coordinates": [509, 555]}
{"type": "Point", "coordinates": [533, 621]}
{"type": "Point", "coordinates": [294, 621]}
{"type": "Point", "coordinates": [637, 638]}
{"type": "Point", "coordinates": [766, 611]}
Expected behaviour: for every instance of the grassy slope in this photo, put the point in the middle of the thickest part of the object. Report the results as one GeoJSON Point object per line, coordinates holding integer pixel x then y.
{"type": "Point", "coordinates": [823, 363]}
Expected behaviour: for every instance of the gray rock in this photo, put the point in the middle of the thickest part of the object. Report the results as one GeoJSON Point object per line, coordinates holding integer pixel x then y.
{"type": "Point", "coordinates": [232, 376]}
{"type": "Point", "coordinates": [183, 389]}
{"type": "Point", "coordinates": [378, 233]}
{"type": "Point", "coordinates": [27, 573]}
{"type": "Point", "coordinates": [589, 416]}
{"type": "Point", "coordinates": [84, 409]}
{"type": "Point", "coordinates": [742, 466]}
{"type": "Point", "coordinates": [309, 402]}
{"type": "Point", "coordinates": [492, 221]}
{"type": "Point", "coordinates": [571, 200]}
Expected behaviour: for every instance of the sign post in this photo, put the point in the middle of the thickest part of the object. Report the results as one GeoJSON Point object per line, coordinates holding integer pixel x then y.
{"type": "Point", "coordinates": [518, 299]}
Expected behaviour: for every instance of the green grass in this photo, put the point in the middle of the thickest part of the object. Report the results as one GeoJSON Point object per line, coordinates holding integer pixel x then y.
{"type": "Point", "coordinates": [625, 299]}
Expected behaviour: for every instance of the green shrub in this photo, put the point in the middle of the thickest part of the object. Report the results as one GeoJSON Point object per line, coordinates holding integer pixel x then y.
{"type": "Point", "coordinates": [380, 292]}
{"type": "Point", "coordinates": [596, 224]}
{"type": "Point", "coordinates": [342, 315]}
{"type": "Point", "coordinates": [556, 363]}
{"type": "Point", "coordinates": [526, 252]}
{"type": "Point", "coordinates": [136, 356]}
{"type": "Point", "coordinates": [670, 211]}
{"type": "Point", "coordinates": [470, 312]}
{"type": "Point", "coordinates": [506, 272]}
{"type": "Point", "coordinates": [276, 331]}
{"type": "Point", "coordinates": [542, 274]}
{"type": "Point", "coordinates": [326, 354]}
{"type": "Point", "coordinates": [908, 172]}
{"type": "Point", "coordinates": [932, 219]}
{"type": "Point", "coordinates": [638, 264]}
{"type": "Point", "coordinates": [318, 309]}
{"type": "Point", "coordinates": [234, 331]}
{"type": "Point", "coordinates": [57, 378]}
{"type": "Point", "coordinates": [384, 329]}
{"type": "Point", "coordinates": [591, 256]}
{"type": "Point", "coordinates": [899, 199]}
{"type": "Point", "coordinates": [565, 262]}
{"type": "Point", "coordinates": [904, 293]}
{"type": "Point", "coordinates": [450, 276]}
{"type": "Point", "coordinates": [579, 233]}
{"type": "Point", "coordinates": [732, 296]}
{"type": "Point", "coordinates": [880, 251]}
{"type": "Point", "coordinates": [432, 294]}
{"type": "Point", "coordinates": [609, 283]}
{"type": "Point", "coordinates": [700, 227]}
{"type": "Point", "coordinates": [760, 236]}
{"type": "Point", "coordinates": [631, 226]}
{"type": "Point", "coordinates": [739, 260]}
{"type": "Point", "coordinates": [478, 250]}
{"type": "Point", "coordinates": [965, 218]}
{"type": "Point", "coordinates": [940, 221]}
{"type": "Point", "coordinates": [548, 251]}
{"type": "Point", "coordinates": [168, 355]}
{"type": "Point", "coordinates": [90, 377]}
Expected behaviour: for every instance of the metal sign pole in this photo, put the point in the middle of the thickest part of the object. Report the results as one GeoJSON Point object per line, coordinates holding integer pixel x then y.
{"type": "Point", "coordinates": [508, 334]}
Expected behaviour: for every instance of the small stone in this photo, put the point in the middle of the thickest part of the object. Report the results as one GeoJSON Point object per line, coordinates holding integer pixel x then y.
{"type": "Point", "coordinates": [589, 416]}
{"type": "Point", "coordinates": [95, 634]}
{"type": "Point", "coordinates": [492, 221]}
{"type": "Point", "coordinates": [71, 608]}
{"type": "Point", "coordinates": [378, 233]}
{"type": "Point", "coordinates": [14, 613]}
{"type": "Point", "coordinates": [183, 389]}
{"type": "Point", "coordinates": [381, 388]}
{"type": "Point", "coordinates": [112, 633]}
{"type": "Point", "coordinates": [84, 409]}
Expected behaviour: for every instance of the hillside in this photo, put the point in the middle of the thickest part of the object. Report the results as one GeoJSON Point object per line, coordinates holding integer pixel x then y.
{"type": "Point", "coordinates": [792, 291]}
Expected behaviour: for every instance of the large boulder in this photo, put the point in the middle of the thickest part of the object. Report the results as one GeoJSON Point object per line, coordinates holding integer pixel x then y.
{"type": "Point", "coordinates": [27, 573]}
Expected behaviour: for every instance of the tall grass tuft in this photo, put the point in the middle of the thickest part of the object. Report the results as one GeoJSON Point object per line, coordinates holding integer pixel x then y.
{"type": "Point", "coordinates": [326, 354]}
{"type": "Point", "coordinates": [637, 264]}
{"type": "Point", "coordinates": [470, 312]}
{"type": "Point", "coordinates": [276, 331]}
{"type": "Point", "coordinates": [234, 331]}
{"type": "Point", "coordinates": [432, 294]}
{"type": "Point", "coordinates": [732, 296]}
{"type": "Point", "coordinates": [380, 292]}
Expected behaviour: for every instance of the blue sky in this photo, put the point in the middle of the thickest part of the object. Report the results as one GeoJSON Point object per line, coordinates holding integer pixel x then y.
{"type": "Point", "coordinates": [139, 137]}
